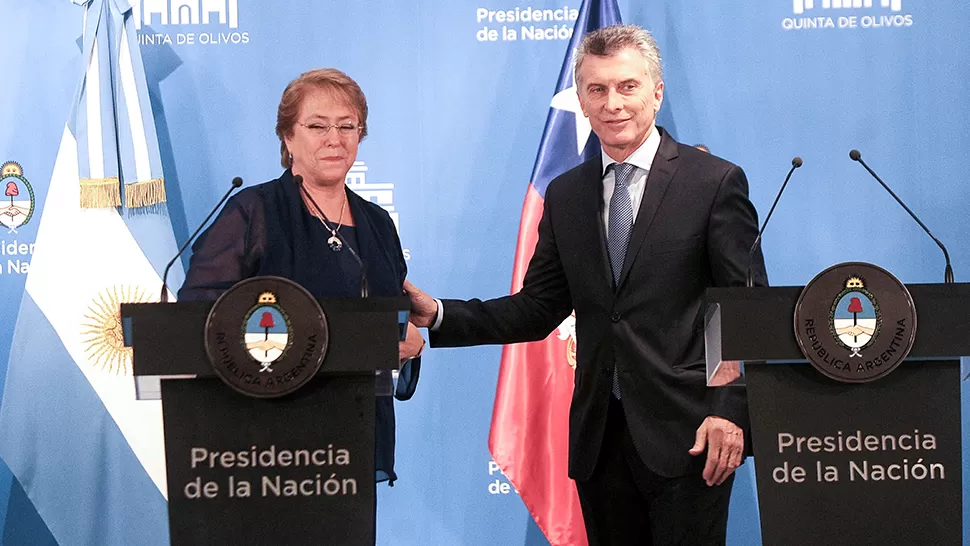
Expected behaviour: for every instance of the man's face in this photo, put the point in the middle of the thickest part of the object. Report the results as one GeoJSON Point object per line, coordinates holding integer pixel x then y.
{"type": "Point", "coordinates": [620, 99]}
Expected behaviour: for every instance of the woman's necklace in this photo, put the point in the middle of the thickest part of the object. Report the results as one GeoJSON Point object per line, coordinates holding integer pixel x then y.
{"type": "Point", "coordinates": [335, 243]}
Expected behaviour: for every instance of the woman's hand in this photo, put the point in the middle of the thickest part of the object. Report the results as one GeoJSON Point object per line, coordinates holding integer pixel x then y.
{"type": "Point", "coordinates": [412, 346]}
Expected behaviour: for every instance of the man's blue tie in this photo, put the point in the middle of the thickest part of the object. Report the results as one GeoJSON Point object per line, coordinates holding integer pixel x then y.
{"type": "Point", "coordinates": [618, 231]}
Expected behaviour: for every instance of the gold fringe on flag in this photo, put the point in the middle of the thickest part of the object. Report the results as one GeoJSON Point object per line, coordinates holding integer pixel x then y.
{"type": "Point", "coordinates": [100, 193]}
{"type": "Point", "coordinates": [145, 194]}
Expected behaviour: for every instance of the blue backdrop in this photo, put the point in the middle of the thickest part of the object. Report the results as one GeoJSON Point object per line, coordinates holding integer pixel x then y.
{"type": "Point", "coordinates": [454, 126]}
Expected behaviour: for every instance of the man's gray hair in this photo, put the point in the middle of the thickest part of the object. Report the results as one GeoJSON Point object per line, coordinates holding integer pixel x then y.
{"type": "Point", "coordinates": [609, 41]}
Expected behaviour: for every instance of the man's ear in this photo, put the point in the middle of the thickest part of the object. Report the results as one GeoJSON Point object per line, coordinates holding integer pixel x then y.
{"type": "Point", "coordinates": [658, 97]}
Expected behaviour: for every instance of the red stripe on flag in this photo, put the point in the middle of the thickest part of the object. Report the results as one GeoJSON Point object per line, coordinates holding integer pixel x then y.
{"type": "Point", "coordinates": [529, 438]}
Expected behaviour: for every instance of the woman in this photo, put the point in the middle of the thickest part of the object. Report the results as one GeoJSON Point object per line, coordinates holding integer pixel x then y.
{"type": "Point", "coordinates": [276, 229]}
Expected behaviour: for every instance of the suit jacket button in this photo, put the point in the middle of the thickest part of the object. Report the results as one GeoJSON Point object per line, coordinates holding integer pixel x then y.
{"type": "Point", "coordinates": [616, 317]}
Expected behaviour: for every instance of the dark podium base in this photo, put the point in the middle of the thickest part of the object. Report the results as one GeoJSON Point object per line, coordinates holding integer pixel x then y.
{"type": "Point", "coordinates": [875, 463]}
{"type": "Point", "coordinates": [293, 470]}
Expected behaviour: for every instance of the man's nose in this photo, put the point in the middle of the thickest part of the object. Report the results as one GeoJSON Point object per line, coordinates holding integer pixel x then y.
{"type": "Point", "coordinates": [614, 102]}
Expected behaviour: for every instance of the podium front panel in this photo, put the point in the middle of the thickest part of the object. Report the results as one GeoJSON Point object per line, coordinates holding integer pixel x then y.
{"type": "Point", "coordinates": [872, 463]}
{"type": "Point", "coordinates": [292, 470]}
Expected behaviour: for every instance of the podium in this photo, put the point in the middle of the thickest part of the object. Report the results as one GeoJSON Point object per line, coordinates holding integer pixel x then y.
{"type": "Point", "coordinates": [850, 463]}
{"type": "Point", "coordinates": [298, 469]}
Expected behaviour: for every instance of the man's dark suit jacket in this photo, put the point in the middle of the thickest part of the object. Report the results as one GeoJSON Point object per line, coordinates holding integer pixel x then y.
{"type": "Point", "coordinates": [692, 231]}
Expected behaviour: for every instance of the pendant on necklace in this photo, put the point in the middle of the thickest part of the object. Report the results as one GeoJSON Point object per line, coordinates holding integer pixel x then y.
{"type": "Point", "coordinates": [334, 242]}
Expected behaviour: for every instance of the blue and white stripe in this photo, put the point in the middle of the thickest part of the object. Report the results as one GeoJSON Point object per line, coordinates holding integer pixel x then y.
{"type": "Point", "coordinates": [89, 455]}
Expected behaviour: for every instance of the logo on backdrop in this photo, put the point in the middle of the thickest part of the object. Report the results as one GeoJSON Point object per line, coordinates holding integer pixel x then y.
{"type": "Point", "coordinates": [855, 322]}
{"type": "Point", "coordinates": [846, 14]}
{"type": "Point", "coordinates": [18, 207]}
{"type": "Point", "coordinates": [524, 23]}
{"type": "Point", "coordinates": [188, 22]}
{"type": "Point", "coordinates": [379, 193]}
{"type": "Point", "coordinates": [266, 337]}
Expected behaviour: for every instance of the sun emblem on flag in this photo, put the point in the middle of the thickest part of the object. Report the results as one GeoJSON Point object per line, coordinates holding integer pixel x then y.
{"type": "Point", "coordinates": [267, 331]}
{"type": "Point", "coordinates": [854, 318]}
{"type": "Point", "coordinates": [101, 333]}
{"type": "Point", "coordinates": [18, 207]}
{"type": "Point", "coordinates": [567, 333]}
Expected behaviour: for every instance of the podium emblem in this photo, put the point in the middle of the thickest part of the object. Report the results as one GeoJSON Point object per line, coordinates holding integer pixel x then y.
{"type": "Point", "coordinates": [266, 337]}
{"type": "Point", "coordinates": [855, 322]}
{"type": "Point", "coordinates": [855, 317]}
{"type": "Point", "coordinates": [267, 331]}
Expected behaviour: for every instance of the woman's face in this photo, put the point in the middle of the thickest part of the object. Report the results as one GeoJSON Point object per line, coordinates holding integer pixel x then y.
{"type": "Point", "coordinates": [322, 153]}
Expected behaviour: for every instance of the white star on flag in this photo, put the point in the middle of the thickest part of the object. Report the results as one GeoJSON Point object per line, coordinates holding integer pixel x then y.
{"type": "Point", "coordinates": [568, 101]}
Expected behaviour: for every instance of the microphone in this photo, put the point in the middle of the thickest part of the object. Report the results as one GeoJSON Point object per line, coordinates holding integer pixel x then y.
{"type": "Point", "coordinates": [796, 162]}
{"type": "Point", "coordinates": [236, 182]}
{"type": "Point", "coordinates": [854, 155]}
{"type": "Point", "coordinates": [360, 263]}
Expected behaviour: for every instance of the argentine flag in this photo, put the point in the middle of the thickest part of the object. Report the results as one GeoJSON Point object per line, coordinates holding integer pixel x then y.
{"type": "Point", "coordinates": [89, 455]}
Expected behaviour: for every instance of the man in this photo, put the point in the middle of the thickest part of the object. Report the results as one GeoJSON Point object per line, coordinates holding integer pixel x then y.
{"type": "Point", "coordinates": [630, 240]}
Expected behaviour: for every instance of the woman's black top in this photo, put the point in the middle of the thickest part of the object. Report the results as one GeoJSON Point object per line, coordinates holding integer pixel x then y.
{"type": "Point", "coordinates": [267, 230]}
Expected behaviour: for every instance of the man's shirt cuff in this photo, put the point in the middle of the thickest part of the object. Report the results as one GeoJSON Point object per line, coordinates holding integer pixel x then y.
{"type": "Point", "coordinates": [439, 316]}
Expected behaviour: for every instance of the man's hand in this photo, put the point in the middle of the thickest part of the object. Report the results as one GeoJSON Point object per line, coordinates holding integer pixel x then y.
{"type": "Point", "coordinates": [423, 307]}
{"type": "Point", "coordinates": [412, 345]}
{"type": "Point", "coordinates": [725, 444]}
{"type": "Point", "coordinates": [727, 372]}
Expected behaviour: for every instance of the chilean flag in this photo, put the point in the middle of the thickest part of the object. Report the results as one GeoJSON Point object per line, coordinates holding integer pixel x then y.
{"type": "Point", "coordinates": [529, 438]}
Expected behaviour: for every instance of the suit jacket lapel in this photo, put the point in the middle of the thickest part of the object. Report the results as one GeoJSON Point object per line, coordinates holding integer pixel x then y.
{"type": "Point", "coordinates": [591, 214]}
{"type": "Point", "coordinates": [658, 180]}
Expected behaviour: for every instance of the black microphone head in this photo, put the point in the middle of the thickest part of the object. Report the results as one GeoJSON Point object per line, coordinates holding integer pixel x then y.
{"type": "Point", "coordinates": [298, 179]}
{"type": "Point", "coordinates": [796, 162]}
{"type": "Point", "coordinates": [236, 182]}
{"type": "Point", "coordinates": [854, 155]}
